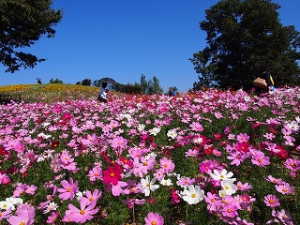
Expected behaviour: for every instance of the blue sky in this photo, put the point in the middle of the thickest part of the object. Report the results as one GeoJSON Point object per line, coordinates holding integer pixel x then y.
{"type": "Point", "coordinates": [123, 39]}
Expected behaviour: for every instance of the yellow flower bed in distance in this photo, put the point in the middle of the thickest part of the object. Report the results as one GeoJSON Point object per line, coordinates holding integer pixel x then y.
{"type": "Point", "coordinates": [50, 92]}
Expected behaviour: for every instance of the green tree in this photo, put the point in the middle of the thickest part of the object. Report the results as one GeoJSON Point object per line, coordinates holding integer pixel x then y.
{"type": "Point", "coordinates": [86, 82]}
{"type": "Point", "coordinates": [151, 86]}
{"type": "Point", "coordinates": [242, 35]}
{"type": "Point", "coordinates": [22, 24]}
{"type": "Point", "coordinates": [156, 85]}
{"type": "Point", "coordinates": [56, 81]}
{"type": "Point", "coordinates": [205, 68]}
{"type": "Point", "coordinates": [143, 83]}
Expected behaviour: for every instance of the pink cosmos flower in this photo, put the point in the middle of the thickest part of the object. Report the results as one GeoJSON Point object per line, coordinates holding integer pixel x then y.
{"type": "Point", "coordinates": [284, 217]}
{"type": "Point", "coordinates": [31, 189]}
{"type": "Point", "coordinates": [213, 201]}
{"type": "Point", "coordinates": [5, 214]}
{"type": "Point", "coordinates": [230, 210]}
{"type": "Point", "coordinates": [243, 187]}
{"type": "Point", "coordinates": [119, 142]}
{"type": "Point", "coordinates": [4, 179]}
{"type": "Point", "coordinates": [271, 201]}
{"type": "Point", "coordinates": [154, 218]}
{"type": "Point", "coordinates": [69, 189]}
{"type": "Point", "coordinates": [292, 164]}
{"type": "Point", "coordinates": [130, 202]}
{"type": "Point", "coordinates": [143, 165]}
{"type": "Point", "coordinates": [243, 221]}
{"type": "Point", "coordinates": [185, 181]}
{"type": "Point", "coordinates": [237, 157]}
{"type": "Point", "coordinates": [52, 218]}
{"type": "Point", "coordinates": [116, 189]}
{"type": "Point", "coordinates": [24, 215]}
{"type": "Point", "coordinates": [191, 153]}
{"type": "Point", "coordinates": [95, 173]}
{"type": "Point", "coordinates": [245, 201]}
{"type": "Point", "coordinates": [259, 159]}
{"type": "Point", "coordinates": [285, 188]}
{"type": "Point", "coordinates": [243, 137]}
{"type": "Point", "coordinates": [196, 126]}
{"type": "Point", "coordinates": [67, 161]}
{"type": "Point", "coordinates": [93, 196]}
{"type": "Point", "coordinates": [274, 180]}
{"type": "Point", "coordinates": [167, 165]}
{"type": "Point", "coordinates": [20, 189]}
{"type": "Point", "coordinates": [85, 212]}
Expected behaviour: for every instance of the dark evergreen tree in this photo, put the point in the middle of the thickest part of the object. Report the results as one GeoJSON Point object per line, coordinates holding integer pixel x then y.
{"type": "Point", "coordinates": [86, 82]}
{"type": "Point", "coordinates": [56, 81]}
{"type": "Point", "coordinates": [242, 35]}
{"type": "Point", "coordinates": [22, 24]}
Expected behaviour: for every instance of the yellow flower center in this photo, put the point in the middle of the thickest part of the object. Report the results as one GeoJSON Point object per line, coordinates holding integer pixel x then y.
{"type": "Point", "coordinates": [193, 195]}
{"type": "Point", "coordinates": [82, 212]}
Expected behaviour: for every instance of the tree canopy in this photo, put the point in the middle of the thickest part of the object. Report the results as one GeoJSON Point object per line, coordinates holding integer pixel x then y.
{"type": "Point", "coordinates": [22, 24]}
{"type": "Point", "coordinates": [241, 36]}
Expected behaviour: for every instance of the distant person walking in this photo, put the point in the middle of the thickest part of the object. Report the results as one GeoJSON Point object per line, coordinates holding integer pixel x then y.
{"type": "Point", "coordinates": [103, 93]}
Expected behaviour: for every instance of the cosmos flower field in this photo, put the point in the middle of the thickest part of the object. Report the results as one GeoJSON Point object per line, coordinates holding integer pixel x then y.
{"type": "Point", "coordinates": [208, 157]}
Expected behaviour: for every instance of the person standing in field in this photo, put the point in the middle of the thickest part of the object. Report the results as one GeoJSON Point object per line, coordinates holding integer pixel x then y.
{"type": "Point", "coordinates": [264, 73]}
{"type": "Point", "coordinates": [103, 93]}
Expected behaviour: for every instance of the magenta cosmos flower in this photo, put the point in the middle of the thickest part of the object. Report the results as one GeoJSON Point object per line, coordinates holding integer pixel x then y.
{"type": "Point", "coordinates": [69, 189]}
{"type": "Point", "coordinates": [154, 218]}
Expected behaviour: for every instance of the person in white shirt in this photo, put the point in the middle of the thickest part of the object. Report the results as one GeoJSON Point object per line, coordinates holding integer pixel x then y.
{"type": "Point", "coordinates": [103, 93]}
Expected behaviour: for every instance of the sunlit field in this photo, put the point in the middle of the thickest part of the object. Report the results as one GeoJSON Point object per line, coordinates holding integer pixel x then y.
{"type": "Point", "coordinates": [204, 158]}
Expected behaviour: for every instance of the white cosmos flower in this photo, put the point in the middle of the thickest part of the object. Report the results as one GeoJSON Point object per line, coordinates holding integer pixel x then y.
{"type": "Point", "coordinates": [216, 175]}
{"type": "Point", "coordinates": [166, 182]}
{"type": "Point", "coordinates": [5, 205]}
{"type": "Point", "coordinates": [155, 131]}
{"type": "Point", "coordinates": [192, 194]}
{"type": "Point", "coordinates": [247, 98]}
{"type": "Point", "coordinates": [141, 127]}
{"type": "Point", "coordinates": [148, 185]}
{"type": "Point", "coordinates": [172, 133]}
{"type": "Point", "coordinates": [15, 201]}
{"type": "Point", "coordinates": [229, 187]}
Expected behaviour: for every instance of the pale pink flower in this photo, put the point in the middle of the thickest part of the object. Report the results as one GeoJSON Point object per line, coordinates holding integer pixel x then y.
{"type": "Point", "coordinates": [93, 196]}
{"type": "Point", "coordinates": [167, 165]}
{"type": "Point", "coordinates": [85, 213]}
{"type": "Point", "coordinates": [191, 153]}
{"type": "Point", "coordinates": [196, 126]}
{"type": "Point", "coordinates": [230, 210]}
{"type": "Point", "coordinates": [285, 188]}
{"type": "Point", "coordinates": [95, 174]}
{"type": "Point", "coordinates": [243, 137]}
{"type": "Point", "coordinates": [31, 189]}
{"type": "Point", "coordinates": [52, 218]}
{"type": "Point", "coordinates": [5, 214]}
{"type": "Point", "coordinates": [24, 215]}
{"type": "Point", "coordinates": [274, 180]}
{"type": "Point", "coordinates": [154, 218]}
{"type": "Point", "coordinates": [69, 189]}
